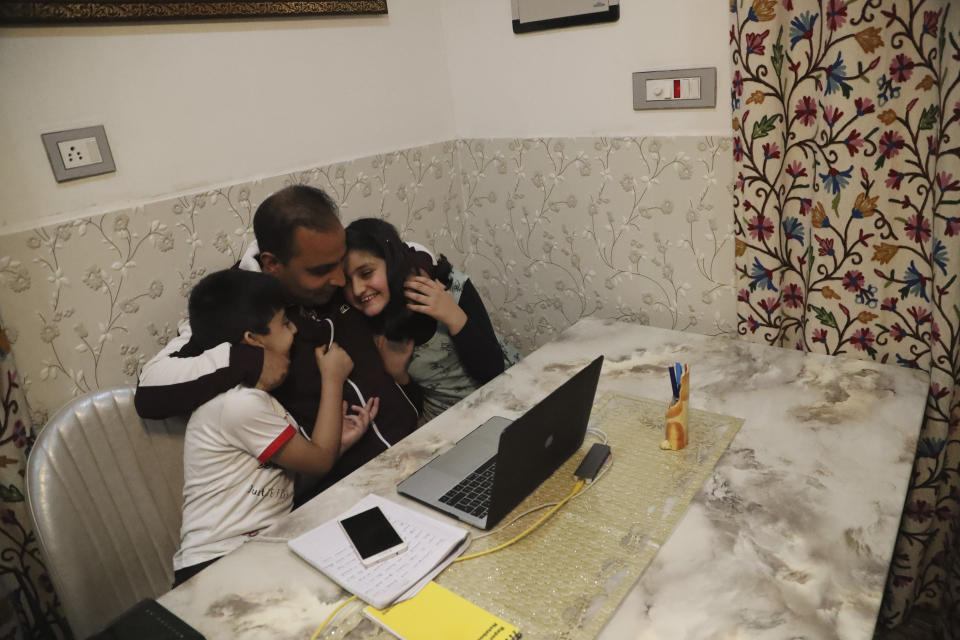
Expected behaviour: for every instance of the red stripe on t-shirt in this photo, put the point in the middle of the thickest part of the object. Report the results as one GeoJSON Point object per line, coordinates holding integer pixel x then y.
{"type": "Point", "coordinates": [278, 442]}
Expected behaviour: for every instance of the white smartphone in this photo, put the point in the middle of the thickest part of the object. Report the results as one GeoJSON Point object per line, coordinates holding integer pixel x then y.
{"type": "Point", "coordinates": [372, 536]}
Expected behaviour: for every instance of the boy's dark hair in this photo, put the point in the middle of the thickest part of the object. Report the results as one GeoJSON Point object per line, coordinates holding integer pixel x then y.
{"type": "Point", "coordinates": [226, 304]}
{"type": "Point", "coordinates": [380, 238]}
{"type": "Point", "coordinates": [278, 217]}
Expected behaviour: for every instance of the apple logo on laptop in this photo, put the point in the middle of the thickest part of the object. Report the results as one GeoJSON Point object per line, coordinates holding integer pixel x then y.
{"type": "Point", "coordinates": [549, 441]}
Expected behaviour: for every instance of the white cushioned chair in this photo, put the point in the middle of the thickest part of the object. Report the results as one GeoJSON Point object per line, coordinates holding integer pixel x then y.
{"type": "Point", "coordinates": [105, 489]}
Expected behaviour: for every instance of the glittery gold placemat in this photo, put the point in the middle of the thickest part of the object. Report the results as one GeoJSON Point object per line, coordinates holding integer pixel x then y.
{"type": "Point", "coordinates": [567, 578]}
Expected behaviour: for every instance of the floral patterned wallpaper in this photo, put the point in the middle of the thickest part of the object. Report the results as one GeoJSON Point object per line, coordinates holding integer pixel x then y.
{"type": "Point", "coordinates": [549, 230]}
{"type": "Point", "coordinates": [629, 228]}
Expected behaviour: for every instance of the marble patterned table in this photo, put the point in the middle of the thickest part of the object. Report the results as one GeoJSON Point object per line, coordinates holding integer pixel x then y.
{"type": "Point", "coordinates": [790, 537]}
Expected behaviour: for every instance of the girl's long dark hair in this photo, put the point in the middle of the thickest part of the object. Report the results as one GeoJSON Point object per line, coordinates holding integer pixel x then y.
{"type": "Point", "coordinates": [380, 238]}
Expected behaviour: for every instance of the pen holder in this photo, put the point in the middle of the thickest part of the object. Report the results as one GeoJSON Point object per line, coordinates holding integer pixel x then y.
{"type": "Point", "coordinates": [677, 432]}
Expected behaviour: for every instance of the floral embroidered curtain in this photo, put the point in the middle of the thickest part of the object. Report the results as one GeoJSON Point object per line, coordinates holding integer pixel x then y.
{"type": "Point", "coordinates": [28, 604]}
{"type": "Point", "coordinates": [847, 215]}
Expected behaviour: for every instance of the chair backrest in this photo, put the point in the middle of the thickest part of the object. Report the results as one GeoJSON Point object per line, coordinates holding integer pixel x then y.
{"type": "Point", "coordinates": [105, 491]}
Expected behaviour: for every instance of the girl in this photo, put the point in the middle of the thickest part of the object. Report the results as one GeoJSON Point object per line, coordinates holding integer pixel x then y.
{"type": "Point", "coordinates": [421, 305]}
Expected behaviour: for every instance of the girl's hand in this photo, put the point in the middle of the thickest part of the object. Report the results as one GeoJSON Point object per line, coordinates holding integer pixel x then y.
{"type": "Point", "coordinates": [428, 296]}
{"type": "Point", "coordinates": [356, 424]}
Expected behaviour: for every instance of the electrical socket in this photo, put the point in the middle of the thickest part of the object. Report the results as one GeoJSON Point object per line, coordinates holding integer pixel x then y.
{"type": "Point", "coordinates": [79, 153]}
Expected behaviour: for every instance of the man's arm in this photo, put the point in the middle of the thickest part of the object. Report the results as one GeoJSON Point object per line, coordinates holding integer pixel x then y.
{"type": "Point", "coordinates": [396, 357]}
{"type": "Point", "coordinates": [177, 381]}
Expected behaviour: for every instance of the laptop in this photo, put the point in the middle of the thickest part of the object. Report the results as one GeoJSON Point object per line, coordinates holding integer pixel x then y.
{"type": "Point", "coordinates": [493, 468]}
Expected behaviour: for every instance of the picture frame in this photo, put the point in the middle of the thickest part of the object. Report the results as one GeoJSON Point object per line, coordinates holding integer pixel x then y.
{"type": "Point", "coordinates": [105, 11]}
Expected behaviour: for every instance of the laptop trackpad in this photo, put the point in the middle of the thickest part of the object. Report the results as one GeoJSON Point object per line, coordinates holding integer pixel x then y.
{"type": "Point", "coordinates": [472, 450]}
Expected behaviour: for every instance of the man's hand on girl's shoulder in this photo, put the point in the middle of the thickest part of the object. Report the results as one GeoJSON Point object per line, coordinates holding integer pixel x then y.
{"type": "Point", "coordinates": [395, 356]}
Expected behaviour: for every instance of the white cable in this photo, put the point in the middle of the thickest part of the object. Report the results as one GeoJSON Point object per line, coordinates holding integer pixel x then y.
{"type": "Point", "coordinates": [372, 423]}
{"type": "Point", "coordinates": [363, 402]}
{"type": "Point", "coordinates": [598, 432]}
{"type": "Point", "coordinates": [407, 398]}
{"type": "Point", "coordinates": [380, 435]}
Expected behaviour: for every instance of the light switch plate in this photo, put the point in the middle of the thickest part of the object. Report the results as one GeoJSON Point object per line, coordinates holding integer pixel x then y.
{"type": "Point", "coordinates": [651, 97]}
{"type": "Point", "coordinates": [78, 153]}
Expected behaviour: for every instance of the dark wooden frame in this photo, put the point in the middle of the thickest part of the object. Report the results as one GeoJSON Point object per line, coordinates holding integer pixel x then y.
{"type": "Point", "coordinates": [80, 11]}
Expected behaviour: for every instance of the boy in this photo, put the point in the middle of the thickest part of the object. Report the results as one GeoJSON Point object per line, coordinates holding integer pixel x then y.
{"type": "Point", "coordinates": [242, 446]}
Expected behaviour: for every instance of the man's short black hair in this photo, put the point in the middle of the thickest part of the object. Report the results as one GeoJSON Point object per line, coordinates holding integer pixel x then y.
{"type": "Point", "coordinates": [278, 217]}
{"type": "Point", "coordinates": [226, 304]}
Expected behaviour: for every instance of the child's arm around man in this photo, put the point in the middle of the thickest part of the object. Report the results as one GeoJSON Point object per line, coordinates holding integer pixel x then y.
{"type": "Point", "coordinates": [241, 447]}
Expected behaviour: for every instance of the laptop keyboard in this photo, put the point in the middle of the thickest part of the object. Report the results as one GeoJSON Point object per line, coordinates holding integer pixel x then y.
{"type": "Point", "coordinates": [472, 494]}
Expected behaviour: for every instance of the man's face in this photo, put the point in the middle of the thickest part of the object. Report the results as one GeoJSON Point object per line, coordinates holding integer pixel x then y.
{"type": "Point", "coordinates": [315, 271]}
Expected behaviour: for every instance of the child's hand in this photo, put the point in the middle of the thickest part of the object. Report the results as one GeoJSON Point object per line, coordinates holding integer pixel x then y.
{"type": "Point", "coordinates": [356, 424]}
{"type": "Point", "coordinates": [395, 356]}
{"type": "Point", "coordinates": [334, 363]}
{"type": "Point", "coordinates": [428, 296]}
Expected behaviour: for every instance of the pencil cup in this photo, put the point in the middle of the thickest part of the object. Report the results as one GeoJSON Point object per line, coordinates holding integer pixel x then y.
{"type": "Point", "coordinates": [677, 432]}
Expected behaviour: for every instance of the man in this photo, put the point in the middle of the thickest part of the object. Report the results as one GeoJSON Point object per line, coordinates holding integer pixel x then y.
{"type": "Point", "coordinates": [299, 241]}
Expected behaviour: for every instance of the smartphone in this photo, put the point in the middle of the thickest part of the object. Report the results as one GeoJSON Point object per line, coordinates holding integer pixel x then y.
{"type": "Point", "coordinates": [372, 536]}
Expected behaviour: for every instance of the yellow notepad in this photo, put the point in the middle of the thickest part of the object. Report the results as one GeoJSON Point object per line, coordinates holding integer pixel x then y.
{"type": "Point", "coordinates": [436, 612]}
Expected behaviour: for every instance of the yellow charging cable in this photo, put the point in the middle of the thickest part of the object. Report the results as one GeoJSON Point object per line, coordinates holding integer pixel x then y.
{"type": "Point", "coordinates": [577, 488]}
{"type": "Point", "coordinates": [316, 634]}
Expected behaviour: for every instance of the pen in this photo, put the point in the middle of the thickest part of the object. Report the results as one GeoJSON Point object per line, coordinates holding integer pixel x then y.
{"type": "Point", "coordinates": [674, 383]}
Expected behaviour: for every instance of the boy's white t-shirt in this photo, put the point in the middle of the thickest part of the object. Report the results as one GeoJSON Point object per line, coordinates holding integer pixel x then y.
{"type": "Point", "coordinates": [230, 491]}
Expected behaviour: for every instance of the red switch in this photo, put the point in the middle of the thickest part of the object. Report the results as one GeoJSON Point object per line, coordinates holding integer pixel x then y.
{"type": "Point", "coordinates": [676, 88]}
